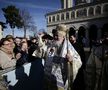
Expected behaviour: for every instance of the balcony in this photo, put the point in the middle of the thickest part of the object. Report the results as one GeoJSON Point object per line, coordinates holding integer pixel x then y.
{"type": "Point", "coordinates": [78, 13]}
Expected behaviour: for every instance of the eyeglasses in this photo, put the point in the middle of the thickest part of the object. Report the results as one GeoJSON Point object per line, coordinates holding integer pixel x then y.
{"type": "Point", "coordinates": [8, 44]}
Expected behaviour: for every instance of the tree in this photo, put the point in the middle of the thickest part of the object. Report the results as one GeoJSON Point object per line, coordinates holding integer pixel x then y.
{"type": "Point", "coordinates": [13, 18]}
{"type": "Point", "coordinates": [3, 25]}
{"type": "Point", "coordinates": [33, 28]}
{"type": "Point", "coordinates": [27, 21]}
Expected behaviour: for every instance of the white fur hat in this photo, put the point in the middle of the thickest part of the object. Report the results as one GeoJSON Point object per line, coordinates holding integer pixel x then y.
{"type": "Point", "coordinates": [61, 29]}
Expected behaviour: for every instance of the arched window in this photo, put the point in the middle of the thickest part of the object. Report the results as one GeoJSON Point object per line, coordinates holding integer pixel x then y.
{"type": "Point", "coordinates": [93, 32]}
{"type": "Point", "coordinates": [49, 19]}
{"type": "Point", "coordinates": [84, 12]}
{"type": "Point", "coordinates": [72, 14]}
{"type": "Point", "coordinates": [98, 10]}
{"type": "Point", "coordinates": [58, 18]}
{"type": "Point", "coordinates": [81, 31]}
{"type": "Point", "coordinates": [62, 16]}
{"type": "Point", "coordinates": [91, 11]}
{"type": "Point", "coordinates": [72, 31]}
{"type": "Point", "coordinates": [105, 8]}
{"type": "Point", "coordinates": [78, 13]}
{"type": "Point", "coordinates": [53, 18]}
{"type": "Point", "coordinates": [104, 30]}
{"type": "Point", "coordinates": [67, 15]}
{"type": "Point", "coordinates": [81, 35]}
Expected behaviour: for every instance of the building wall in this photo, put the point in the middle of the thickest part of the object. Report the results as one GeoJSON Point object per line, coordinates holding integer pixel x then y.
{"type": "Point", "coordinates": [1, 32]}
{"type": "Point", "coordinates": [82, 15]}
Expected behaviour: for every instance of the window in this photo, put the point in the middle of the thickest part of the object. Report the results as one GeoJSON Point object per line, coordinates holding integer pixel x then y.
{"type": "Point", "coordinates": [98, 10]}
{"type": "Point", "coordinates": [91, 11]}
{"type": "Point", "coordinates": [49, 19]}
{"type": "Point", "coordinates": [62, 16]}
{"type": "Point", "coordinates": [105, 8]}
{"type": "Point", "coordinates": [67, 15]}
{"type": "Point", "coordinates": [53, 19]}
{"type": "Point", "coordinates": [82, 13]}
{"type": "Point", "coordinates": [72, 14]}
{"type": "Point", "coordinates": [58, 18]}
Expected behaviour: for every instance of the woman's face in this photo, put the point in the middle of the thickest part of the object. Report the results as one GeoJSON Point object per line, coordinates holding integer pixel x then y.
{"type": "Point", "coordinates": [17, 41]}
{"type": "Point", "coordinates": [12, 43]}
{"type": "Point", "coordinates": [7, 45]}
{"type": "Point", "coordinates": [24, 46]}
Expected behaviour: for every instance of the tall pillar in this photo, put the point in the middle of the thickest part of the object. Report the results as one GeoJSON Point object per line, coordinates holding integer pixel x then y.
{"type": "Point", "coordinates": [67, 4]}
{"type": "Point", "coordinates": [1, 32]}
{"type": "Point", "coordinates": [63, 4]}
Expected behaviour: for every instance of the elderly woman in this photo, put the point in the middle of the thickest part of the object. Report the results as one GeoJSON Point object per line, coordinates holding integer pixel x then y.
{"type": "Point", "coordinates": [7, 59]}
{"type": "Point", "coordinates": [6, 54]}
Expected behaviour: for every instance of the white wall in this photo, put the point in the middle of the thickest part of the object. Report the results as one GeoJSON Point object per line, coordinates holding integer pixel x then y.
{"type": "Point", "coordinates": [1, 32]}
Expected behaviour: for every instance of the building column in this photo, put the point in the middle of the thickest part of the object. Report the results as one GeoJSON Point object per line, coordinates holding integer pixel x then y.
{"type": "Point", "coordinates": [67, 4]}
{"type": "Point", "coordinates": [70, 3]}
{"type": "Point", "coordinates": [75, 13]}
{"type": "Point", "coordinates": [87, 12]}
{"type": "Point", "coordinates": [1, 32]}
{"type": "Point", "coordinates": [64, 4]}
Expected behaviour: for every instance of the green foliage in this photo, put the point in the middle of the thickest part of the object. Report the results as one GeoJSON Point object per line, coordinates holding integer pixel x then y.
{"type": "Point", "coordinates": [13, 18]}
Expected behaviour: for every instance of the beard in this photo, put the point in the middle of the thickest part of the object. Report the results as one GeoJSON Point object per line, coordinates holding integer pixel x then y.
{"type": "Point", "coordinates": [57, 43]}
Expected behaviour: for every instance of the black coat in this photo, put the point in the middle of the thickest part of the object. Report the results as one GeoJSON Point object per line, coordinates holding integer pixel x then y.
{"type": "Point", "coordinates": [78, 84]}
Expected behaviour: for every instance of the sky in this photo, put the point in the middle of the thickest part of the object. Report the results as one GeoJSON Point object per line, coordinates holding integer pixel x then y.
{"type": "Point", "coordinates": [36, 8]}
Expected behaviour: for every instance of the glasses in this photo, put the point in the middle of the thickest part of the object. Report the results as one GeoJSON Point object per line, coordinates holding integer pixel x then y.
{"type": "Point", "coordinates": [8, 44]}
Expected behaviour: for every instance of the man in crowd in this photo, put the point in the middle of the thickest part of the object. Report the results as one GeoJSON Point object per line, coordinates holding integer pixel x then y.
{"type": "Point", "coordinates": [97, 65]}
{"type": "Point", "coordinates": [7, 59]}
{"type": "Point", "coordinates": [56, 59]}
{"type": "Point", "coordinates": [79, 81]}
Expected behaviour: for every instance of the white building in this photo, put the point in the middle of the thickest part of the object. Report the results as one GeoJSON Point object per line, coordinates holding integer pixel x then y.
{"type": "Point", "coordinates": [2, 26]}
{"type": "Point", "coordinates": [83, 16]}
{"type": "Point", "coordinates": [1, 32]}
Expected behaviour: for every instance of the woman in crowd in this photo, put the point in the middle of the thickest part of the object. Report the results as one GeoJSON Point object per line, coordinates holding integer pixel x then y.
{"type": "Point", "coordinates": [7, 59]}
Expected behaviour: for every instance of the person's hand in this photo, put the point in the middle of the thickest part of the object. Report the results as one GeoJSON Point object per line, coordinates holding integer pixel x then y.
{"type": "Point", "coordinates": [69, 56]}
{"type": "Point", "coordinates": [40, 34]}
{"type": "Point", "coordinates": [18, 56]}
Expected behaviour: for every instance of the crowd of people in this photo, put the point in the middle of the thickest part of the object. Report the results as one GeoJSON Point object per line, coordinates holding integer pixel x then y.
{"type": "Point", "coordinates": [63, 59]}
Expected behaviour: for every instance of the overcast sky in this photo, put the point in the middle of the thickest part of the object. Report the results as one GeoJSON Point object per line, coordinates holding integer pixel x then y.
{"type": "Point", "coordinates": [36, 8]}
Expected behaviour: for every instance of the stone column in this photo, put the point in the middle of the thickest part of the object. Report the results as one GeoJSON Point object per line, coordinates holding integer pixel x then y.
{"type": "Point", "coordinates": [1, 32]}
{"type": "Point", "coordinates": [63, 4]}
{"type": "Point", "coordinates": [70, 3]}
{"type": "Point", "coordinates": [67, 4]}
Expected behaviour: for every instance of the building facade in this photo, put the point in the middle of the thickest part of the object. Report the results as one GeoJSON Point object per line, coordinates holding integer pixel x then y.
{"type": "Point", "coordinates": [2, 26]}
{"type": "Point", "coordinates": [1, 31]}
{"type": "Point", "coordinates": [87, 17]}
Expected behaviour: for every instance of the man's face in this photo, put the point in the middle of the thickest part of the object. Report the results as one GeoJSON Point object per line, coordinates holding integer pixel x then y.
{"type": "Point", "coordinates": [55, 36]}
{"type": "Point", "coordinates": [72, 39]}
{"type": "Point", "coordinates": [17, 41]}
{"type": "Point", "coordinates": [60, 39]}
